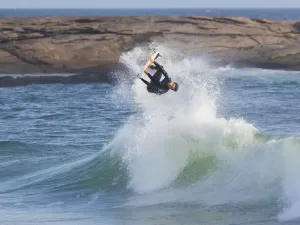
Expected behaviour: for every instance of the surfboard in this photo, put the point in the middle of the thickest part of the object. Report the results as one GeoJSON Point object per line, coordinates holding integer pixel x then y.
{"type": "Point", "coordinates": [150, 61]}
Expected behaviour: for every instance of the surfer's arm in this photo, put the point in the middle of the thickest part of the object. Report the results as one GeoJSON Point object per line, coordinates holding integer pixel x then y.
{"type": "Point", "coordinates": [153, 80]}
{"type": "Point", "coordinates": [146, 82]}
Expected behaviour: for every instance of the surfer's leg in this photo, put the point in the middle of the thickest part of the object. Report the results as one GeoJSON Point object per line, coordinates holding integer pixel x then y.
{"type": "Point", "coordinates": [155, 81]}
{"type": "Point", "coordinates": [157, 76]}
{"type": "Point", "coordinates": [153, 67]}
{"type": "Point", "coordinates": [161, 69]}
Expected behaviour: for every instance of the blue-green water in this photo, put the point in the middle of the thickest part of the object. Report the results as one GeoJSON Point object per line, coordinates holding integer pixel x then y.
{"type": "Point", "coordinates": [224, 149]}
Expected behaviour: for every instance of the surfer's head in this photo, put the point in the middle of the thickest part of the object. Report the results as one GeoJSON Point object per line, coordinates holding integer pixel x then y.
{"type": "Point", "coordinates": [173, 86]}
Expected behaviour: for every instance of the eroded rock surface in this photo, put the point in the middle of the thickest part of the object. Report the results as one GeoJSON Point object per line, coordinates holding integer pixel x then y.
{"type": "Point", "coordinates": [91, 45]}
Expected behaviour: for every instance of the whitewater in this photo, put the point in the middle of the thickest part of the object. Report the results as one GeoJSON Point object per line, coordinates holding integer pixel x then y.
{"type": "Point", "coordinates": [178, 144]}
{"type": "Point", "coordinates": [224, 149]}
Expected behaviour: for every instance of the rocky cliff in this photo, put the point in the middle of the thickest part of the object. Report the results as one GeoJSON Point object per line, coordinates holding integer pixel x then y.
{"type": "Point", "coordinates": [85, 45]}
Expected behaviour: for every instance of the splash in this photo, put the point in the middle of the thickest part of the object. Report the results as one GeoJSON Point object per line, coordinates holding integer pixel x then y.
{"type": "Point", "coordinates": [169, 128]}
{"type": "Point", "coordinates": [178, 149]}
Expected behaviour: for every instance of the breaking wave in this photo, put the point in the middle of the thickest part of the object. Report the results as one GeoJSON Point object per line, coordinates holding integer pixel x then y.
{"type": "Point", "coordinates": [176, 148]}
{"type": "Point", "coordinates": [179, 148]}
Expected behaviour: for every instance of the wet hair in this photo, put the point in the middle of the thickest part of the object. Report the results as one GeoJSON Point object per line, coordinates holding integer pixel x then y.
{"type": "Point", "coordinates": [176, 87]}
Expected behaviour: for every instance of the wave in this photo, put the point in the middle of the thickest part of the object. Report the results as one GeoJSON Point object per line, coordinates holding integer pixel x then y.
{"type": "Point", "coordinates": [178, 148]}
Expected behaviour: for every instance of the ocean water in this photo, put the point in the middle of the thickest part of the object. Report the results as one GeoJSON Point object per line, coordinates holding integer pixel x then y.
{"type": "Point", "coordinates": [224, 149]}
{"type": "Point", "coordinates": [274, 14]}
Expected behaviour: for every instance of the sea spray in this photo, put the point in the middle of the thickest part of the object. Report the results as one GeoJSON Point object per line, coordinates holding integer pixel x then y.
{"type": "Point", "coordinates": [157, 140]}
{"type": "Point", "coordinates": [180, 149]}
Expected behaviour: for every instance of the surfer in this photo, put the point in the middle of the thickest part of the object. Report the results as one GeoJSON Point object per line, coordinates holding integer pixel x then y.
{"type": "Point", "coordinates": [155, 85]}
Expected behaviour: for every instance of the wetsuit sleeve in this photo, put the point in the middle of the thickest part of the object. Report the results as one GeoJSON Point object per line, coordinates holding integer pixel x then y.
{"type": "Point", "coordinates": [146, 82]}
{"type": "Point", "coordinates": [162, 70]}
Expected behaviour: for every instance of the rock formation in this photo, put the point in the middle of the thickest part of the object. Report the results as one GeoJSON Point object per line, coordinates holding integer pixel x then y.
{"type": "Point", "coordinates": [94, 45]}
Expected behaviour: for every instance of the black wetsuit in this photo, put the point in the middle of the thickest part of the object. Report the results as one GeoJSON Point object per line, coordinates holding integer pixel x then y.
{"type": "Point", "coordinates": [156, 86]}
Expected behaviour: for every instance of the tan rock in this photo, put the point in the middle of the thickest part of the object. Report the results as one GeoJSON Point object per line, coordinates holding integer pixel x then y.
{"type": "Point", "coordinates": [89, 44]}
